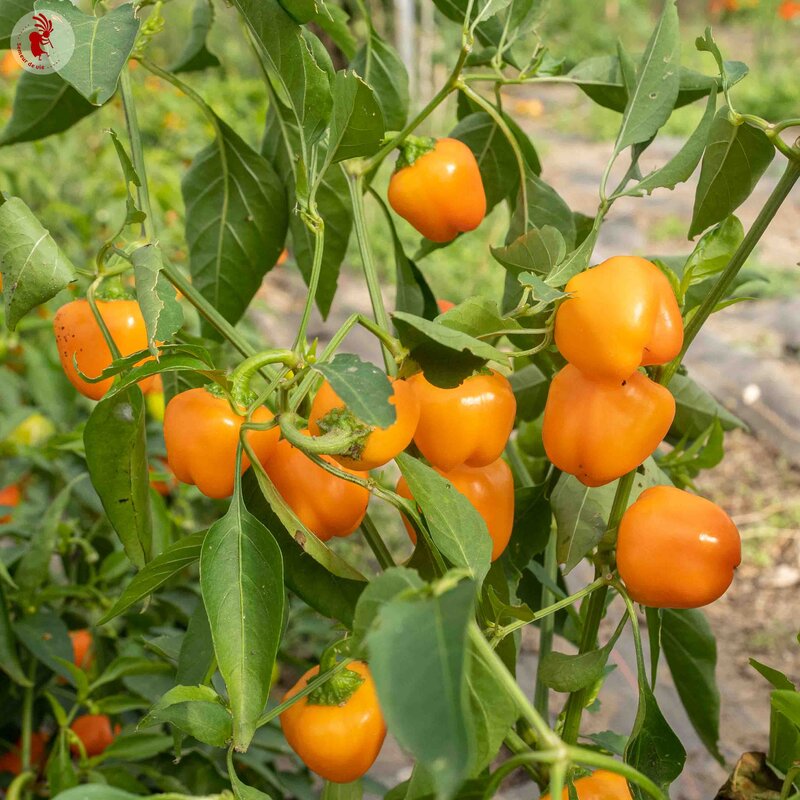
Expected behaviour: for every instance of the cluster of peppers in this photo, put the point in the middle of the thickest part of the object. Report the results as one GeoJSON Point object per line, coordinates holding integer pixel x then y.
{"type": "Point", "coordinates": [604, 416]}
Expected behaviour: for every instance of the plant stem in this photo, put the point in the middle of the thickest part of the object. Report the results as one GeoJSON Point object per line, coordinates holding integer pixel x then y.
{"type": "Point", "coordinates": [356, 186]}
{"type": "Point", "coordinates": [541, 693]}
{"type": "Point", "coordinates": [240, 378]}
{"type": "Point", "coordinates": [512, 141]}
{"type": "Point", "coordinates": [547, 739]}
{"type": "Point", "coordinates": [137, 153]}
{"type": "Point", "coordinates": [723, 284]}
{"type": "Point", "coordinates": [376, 543]}
{"type": "Point", "coordinates": [436, 100]}
{"type": "Point", "coordinates": [268, 716]}
{"type": "Point", "coordinates": [507, 767]}
{"type": "Point", "coordinates": [591, 758]}
{"type": "Point", "coordinates": [317, 227]}
{"type": "Point", "coordinates": [330, 443]}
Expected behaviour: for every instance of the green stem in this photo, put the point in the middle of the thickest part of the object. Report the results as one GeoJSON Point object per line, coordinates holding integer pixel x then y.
{"type": "Point", "coordinates": [27, 717]}
{"type": "Point", "coordinates": [19, 786]}
{"type": "Point", "coordinates": [317, 227]}
{"type": "Point", "coordinates": [356, 187]}
{"type": "Point", "coordinates": [137, 152]}
{"type": "Point", "coordinates": [720, 289]}
{"type": "Point", "coordinates": [268, 716]}
{"type": "Point", "coordinates": [577, 700]}
{"type": "Point", "coordinates": [331, 443]}
{"type": "Point", "coordinates": [592, 758]}
{"type": "Point", "coordinates": [109, 339]}
{"type": "Point", "coordinates": [546, 737]}
{"type": "Point", "coordinates": [541, 693]}
{"type": "Point", "coordinates": [376, 543]}
{"type": "Point", "coordinates": [512, 141]}
{"type": "Point", "coordinates": [548, 611]}
{"type": "Point", "coordinates": [791, 775]}
{"type": "Point", "coordinates": [243, 374]}
{"type": "Point", "coordinates": [449, 86]}
{"type": "Point", "coordinates": [519, 760]}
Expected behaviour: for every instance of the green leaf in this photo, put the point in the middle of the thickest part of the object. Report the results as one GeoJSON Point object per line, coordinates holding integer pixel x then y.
{"type": "Point", "coordinates": [538, 250]}
{"type": "Point", "coordinates": [457, 529]}
{"type": "Point", "coordinates": [61, 774]}
{"type": "Point", "coordinates": [116, 456]}
{"type": "Point", "coordinates": [95, 791]}
{"type": "Point", "coordinates": [576, 261]}
{"type": "Point", "coordinates": [492, 711]}
{"type": "Point", "coordinates": [581, 513]}
{"type": "Point", "coordinates": [196, 710]}
{"type": "Point", "coordinates": [362, 387]}
{"type": "Point", "coordinates": [541, 292]}
{"type": "Point", "coordinates": [653, 748]}
{"type": "Point", "coordinates": [196, 55]}
{"type": "Point", "coordinates": [380, 591]}
{"type": "Point", "coordinates": [657, 82]}
{"type": "Point", "coordinates": [418, 659]}
{"type": "Point", "coordinates": [102, 47]}
{"type": "Point", "coordinates": [302, 84]}
{"type": "Point", "coordinates": [32, 266]}
{"type": "Point", "coordinates": [570, 673]}
{"type": "Point", "coordinates": [494, 155]}
{"type": "Point", "coordinates": [333, 205]}
{"type": "Point", "coordinates": [334, 21]}
{"type": "Point", "coordinates": [545, 208]}
{"type": "Point", "coordinates": [46, 636]}
{"type": "Point", "coordinates": [342, 791]}
{"type": "Point", "coordinates": [691, 652]}
{"type": "Point", "coordinates": [236, 221]}
{"type": "Point", "coordinates": [445, 355]}
{"type": "Point", "coordinates": [788, 704]}
{"type": "Point", "coordinates": [197, 649]}
{"type": "Point", "coordinates": [9, 660]}
{"type": "Point", "coordinates": [43, 105]}
{"type": "Point", "coordinates": [413, 294]}
{"type": "Point", "coordinates": [735, 158]}
{"type": "Point", "coordinates": [713, 251]}
{"type": "Point", "coordinates": [683, 164]}
{"type": "Point", "coordinates": [477, 316]}
{"type": "Point", "coordinates": [163, 314]}
{"type": "Point", "coordinates": [777, 678]}
{"type": "Point", "coordinates": [357, 122]}
{"type": "Point", "coordinates": [318, 577]}
{"type": "Point", "coordinates": [10, 13]}
{"type": "Point", "coordinates": [134, 747]}
{"type": "Point", "coordinates": [241, 578]}
{"type": "Point", "coordinates": [124, 666]}
{"type": "Point", "coordinates": [600, 78]}
{"type": "Point", "coordinates": [33, 568]}
{"type": "Point", "coordinates": [530, 387]}
{"type": "Point", "coordinates": [381, 68]}
{"type": "Point", "coordinates": [696, 409]}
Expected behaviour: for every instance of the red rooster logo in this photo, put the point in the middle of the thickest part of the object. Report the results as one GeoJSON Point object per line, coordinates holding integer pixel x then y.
{"type": "Point", "coordinates": [40, 38]}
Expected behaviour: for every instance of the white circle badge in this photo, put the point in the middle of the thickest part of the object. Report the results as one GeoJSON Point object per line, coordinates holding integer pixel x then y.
{"type": "Point", "coordinates": [42, 42]}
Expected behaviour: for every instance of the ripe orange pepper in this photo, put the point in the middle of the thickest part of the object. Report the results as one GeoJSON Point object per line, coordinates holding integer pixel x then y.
{"type": "Point", "coordinates": [10, 496]}
{"type": "Point", "coordinates": [676, 550]}
{"type": "Point", "coordinates": [95, 731]}
{"type": "Point", "coordinates": [340, 741]}
{"type": "Point", "coordinates": [78, 335]}
{"type": "Point", "coordinates": [789, 9]}
{"type": "Point", "coordinates": [383, 444]}
{"type": "Point", "coordinates": [445, 305]}
{"type": "Point", "coordinates": [12, 760]}
{"type": "Point", "coordinates": [490, 489]}
{"type": "Point", "coordinates": [600, 785]}
{"type": "Point", "coordinates": [201, 432]}
{"type": "Point", "coordinates": [82, 641]}
{"type": "Point", "coordinates": [439, 192]}
{"type": "Point", "coordinates": [469, 424]}
{"type": "Point", "coordinates": [326, 504]}
{"type": "Point", "coordinates": [622, 314]}
{"type": "Point", "coordinates": [598, 431]}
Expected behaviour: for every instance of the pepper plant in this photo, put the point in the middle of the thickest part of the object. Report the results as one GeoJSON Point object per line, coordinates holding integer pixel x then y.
{"type": "Point", "coordinates": [154, 564]}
